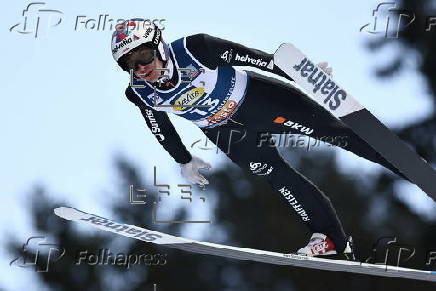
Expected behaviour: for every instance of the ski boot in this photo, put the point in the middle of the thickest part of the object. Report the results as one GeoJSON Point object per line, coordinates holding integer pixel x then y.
{"type": "Point", "coordinates": [321, 245]}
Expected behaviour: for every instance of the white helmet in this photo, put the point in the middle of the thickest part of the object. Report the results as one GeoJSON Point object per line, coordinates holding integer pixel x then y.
{"type": "Point", "coordinates": [134, 32]}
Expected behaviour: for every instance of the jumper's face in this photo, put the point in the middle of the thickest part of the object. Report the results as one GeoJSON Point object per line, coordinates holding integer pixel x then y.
{"type": "Point", "coordinates": [144, 63]}
{"type": "Point", "coordinates": [149, 72]}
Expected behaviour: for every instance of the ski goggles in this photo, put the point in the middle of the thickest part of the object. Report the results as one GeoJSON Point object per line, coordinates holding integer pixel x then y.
{"type": "Point", "coordinates": [143, 56]}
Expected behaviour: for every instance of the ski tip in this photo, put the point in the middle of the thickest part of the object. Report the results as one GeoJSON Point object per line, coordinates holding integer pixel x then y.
{"type": "Point", "coordinates": [67, 213]}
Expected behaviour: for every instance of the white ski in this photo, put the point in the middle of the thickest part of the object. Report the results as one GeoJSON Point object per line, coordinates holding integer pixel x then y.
{"type": "Point", "coordinates": [240, 253]}
{"type": "Point", "coordinates": [327, 93]}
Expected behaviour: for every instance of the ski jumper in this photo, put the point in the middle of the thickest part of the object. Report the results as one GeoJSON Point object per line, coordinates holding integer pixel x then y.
{"type": "Point", "coordinates": [226, 102]}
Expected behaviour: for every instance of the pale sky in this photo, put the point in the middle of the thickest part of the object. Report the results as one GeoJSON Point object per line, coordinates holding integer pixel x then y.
{"type": "Point", "coordinates": [64, 113]}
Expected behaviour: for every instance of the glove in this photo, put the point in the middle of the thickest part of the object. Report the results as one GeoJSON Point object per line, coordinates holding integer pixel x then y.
{"type": "Point", "coordinates": [190, 171]}
{"type": "Point", "coordinates": [324, 66]}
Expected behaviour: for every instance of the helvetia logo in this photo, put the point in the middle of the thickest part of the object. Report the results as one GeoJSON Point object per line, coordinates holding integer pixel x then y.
{"type": "Point", "coordinates": [247, 59]}
{"type": "Point", "coordinates": [227, 55]}
{"type": "Point", "coordinates": [122, 44]}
